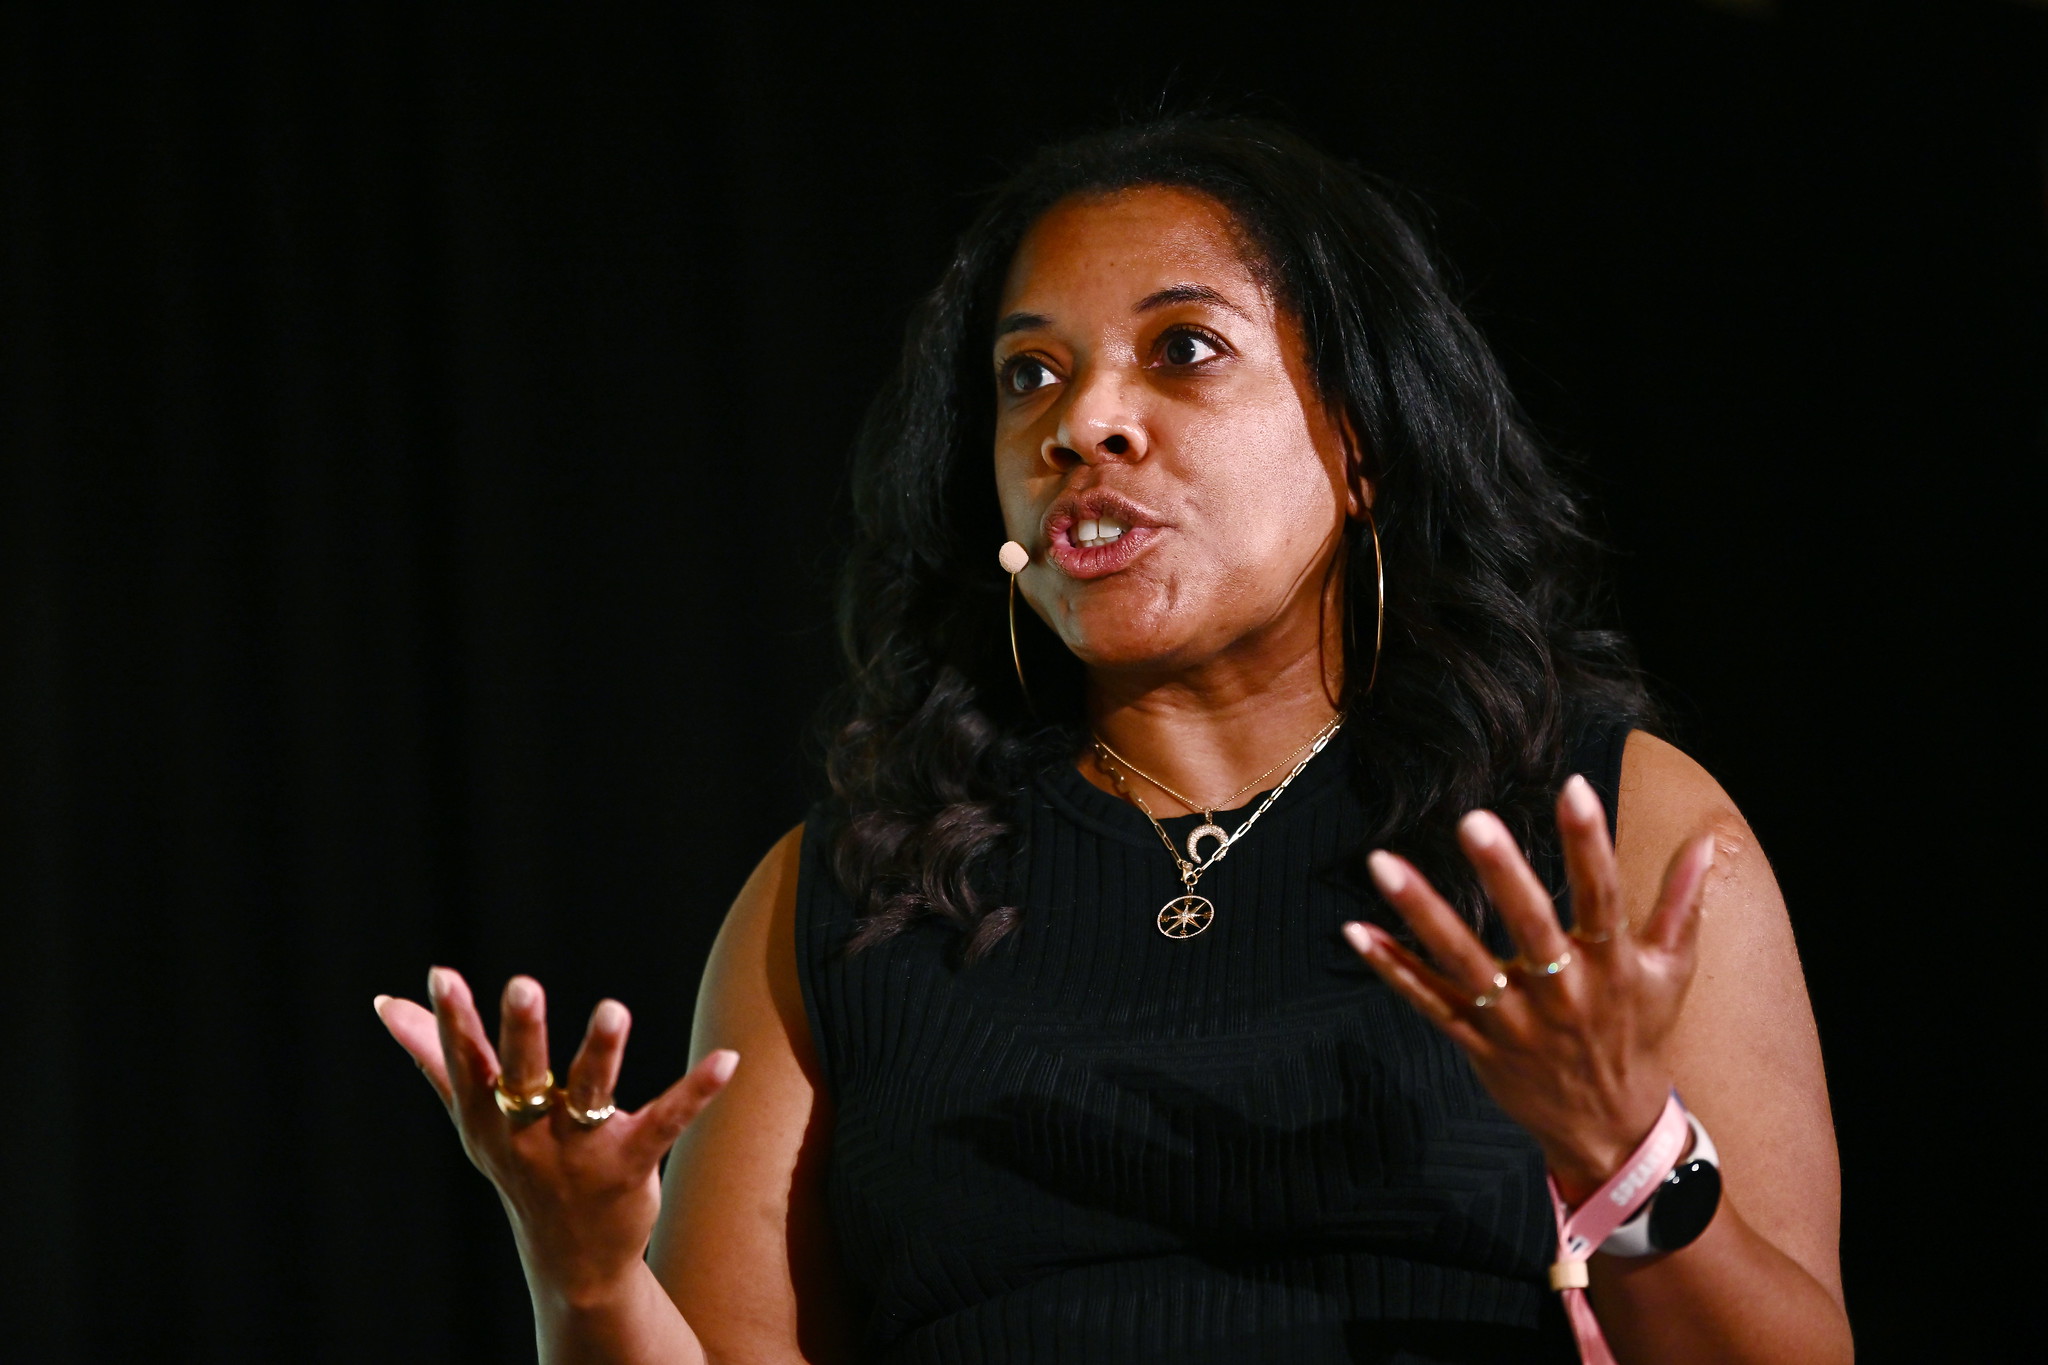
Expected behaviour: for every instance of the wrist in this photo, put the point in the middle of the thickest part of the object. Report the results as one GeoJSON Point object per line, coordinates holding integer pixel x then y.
{"type": "Point", "coordinates": [1680, 1208]}
{"type": "Point", "coordinates": [1577, 1177]}
{"type": "Point", "coordinates": [586, 1292]}
{"type": "Point", "coordinates": [1580, 1164]}
{"type": "Point", "coordinates": [572, 1280]}
{"type": "Point", "coordinates": [623, 1317]}
{"type": "Point", "coordinates": [1583, 1228]}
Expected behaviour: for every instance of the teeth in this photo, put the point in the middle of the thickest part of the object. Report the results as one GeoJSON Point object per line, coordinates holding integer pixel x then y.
{"type": "Point", "coordinates": [1096, 532]}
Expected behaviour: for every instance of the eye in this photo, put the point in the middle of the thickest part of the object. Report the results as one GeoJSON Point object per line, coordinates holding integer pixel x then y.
{"type": "Point", "coordinates": [1184, 347]}
{"type": "Point", "coordinates": [1026, 374]}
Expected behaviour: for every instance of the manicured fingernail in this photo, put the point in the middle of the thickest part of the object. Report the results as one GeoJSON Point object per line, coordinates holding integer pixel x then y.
{"type": "Point", "coordinates": [1707, 860]}
{"type": "Point", "coordinates": [1578, 794]}
{"type": "Point", "coordinates": [724, 1064]}
{"type": "Point", "coordinates": [1361, 938]}
{"type": "Point", "coordinates": [440, 982]}
{"type": "Point", "coordinates": [520, 994]}
{"type": "Point", "coordinates": [1387, 871]}
{"type": "Point", "coordinates": [379, 1003]}
{"type": "Point", "coordinates": [1480, 828]}
{"type": "Point", "coordinates": [610, 1016]}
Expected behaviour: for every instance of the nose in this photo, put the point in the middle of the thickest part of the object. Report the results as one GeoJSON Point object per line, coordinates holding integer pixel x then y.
{"type": "Point", "coordinates": [1097, 426]}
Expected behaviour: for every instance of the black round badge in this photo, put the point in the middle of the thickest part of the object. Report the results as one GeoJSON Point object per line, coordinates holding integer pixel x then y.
{"type": "Point", "coordinates": [1685, 1205]}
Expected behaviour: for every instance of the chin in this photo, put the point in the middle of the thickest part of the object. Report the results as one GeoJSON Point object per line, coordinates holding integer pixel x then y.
{"type": "Point", "coordinates": [1105, 633]}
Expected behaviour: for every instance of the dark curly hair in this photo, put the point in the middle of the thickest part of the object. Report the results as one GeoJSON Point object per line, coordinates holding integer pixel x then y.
{"type": "Point", "coordinates": [1492, 655]}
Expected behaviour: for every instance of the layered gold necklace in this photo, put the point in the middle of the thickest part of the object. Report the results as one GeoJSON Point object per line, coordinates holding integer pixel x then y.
{"type": "Point", "coordinates": [1189, 914]}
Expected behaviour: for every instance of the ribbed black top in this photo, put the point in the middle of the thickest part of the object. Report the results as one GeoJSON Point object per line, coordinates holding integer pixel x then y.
{"type": "Point", "coordinates": [1100, 1144]}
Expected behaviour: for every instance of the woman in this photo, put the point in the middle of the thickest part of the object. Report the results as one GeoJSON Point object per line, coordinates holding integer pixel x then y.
{"type": "Point", "coordinates": [1171, 983]}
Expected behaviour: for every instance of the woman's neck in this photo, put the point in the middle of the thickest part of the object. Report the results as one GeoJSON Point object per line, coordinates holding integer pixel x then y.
{"type": "Point", "coordinates": [1207, 732]}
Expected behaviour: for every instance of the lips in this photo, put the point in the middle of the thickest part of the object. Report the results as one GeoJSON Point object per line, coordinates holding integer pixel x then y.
{"type": "Point", "coordinates": [1095, 534]}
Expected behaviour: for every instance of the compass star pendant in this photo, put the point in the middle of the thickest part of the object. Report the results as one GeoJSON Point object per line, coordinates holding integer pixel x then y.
{"type": "Point", "coordinates": [1185, 916]}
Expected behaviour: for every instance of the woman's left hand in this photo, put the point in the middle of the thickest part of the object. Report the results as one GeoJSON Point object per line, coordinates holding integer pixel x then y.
{"type": "Point", "coordinates": [1569, 1037]}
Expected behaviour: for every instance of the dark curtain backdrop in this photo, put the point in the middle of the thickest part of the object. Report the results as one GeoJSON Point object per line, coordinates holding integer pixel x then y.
{"type": "Point", "coordinates": [421, 483]}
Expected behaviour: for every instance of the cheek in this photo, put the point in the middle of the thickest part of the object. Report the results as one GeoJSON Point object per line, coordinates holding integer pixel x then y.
{"type": "Point", "coordinates": [1019, 482]}
{"type": "Point", "coordinates": [1263, 487]}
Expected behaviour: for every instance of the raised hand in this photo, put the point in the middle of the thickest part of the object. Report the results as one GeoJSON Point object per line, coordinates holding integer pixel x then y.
{"type": "Point", "coordinates": [1568, 1037]}
{"type": "Point", "coordinates": [579, 1179]}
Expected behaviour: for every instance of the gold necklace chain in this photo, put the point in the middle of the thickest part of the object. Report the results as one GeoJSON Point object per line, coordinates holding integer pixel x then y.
{"type": "Point", "coordinates": [1208, 810]}
{"type": "Point", "coordinates": [1189, 914]}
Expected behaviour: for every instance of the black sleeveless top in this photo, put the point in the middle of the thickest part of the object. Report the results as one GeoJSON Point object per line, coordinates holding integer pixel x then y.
{"type": "Point", "coordinates": [1101, 1144]}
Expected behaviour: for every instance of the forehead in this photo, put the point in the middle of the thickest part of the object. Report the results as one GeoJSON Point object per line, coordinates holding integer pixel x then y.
{"type": "Point", "coordinates": [1119, 247]}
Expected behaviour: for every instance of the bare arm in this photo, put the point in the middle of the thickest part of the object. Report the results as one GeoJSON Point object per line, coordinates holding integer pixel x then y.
{"type": "Point", "coordinates": [744, 1243]}
{"type": "Point", "coordinates": [1764, 1282]}
{"type": "Point", "coordinates": [1688, 977]}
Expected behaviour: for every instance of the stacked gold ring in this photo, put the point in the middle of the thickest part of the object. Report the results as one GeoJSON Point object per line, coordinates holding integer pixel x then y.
{"type": "Point", "coordinates": [1563, 961]}
{"type": "Point", "coordinates": [1492, 997]}
{"type": "Point", "coordinates": [589, 1118]}
{"type": "Point", "coordinates": [1489, 999]}
{"type": "Point", "coordinates": [529, 1105]}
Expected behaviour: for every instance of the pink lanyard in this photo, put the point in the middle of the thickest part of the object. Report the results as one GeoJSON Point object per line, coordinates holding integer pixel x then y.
{"type": "Point", "coordinates": [1580, 1234]}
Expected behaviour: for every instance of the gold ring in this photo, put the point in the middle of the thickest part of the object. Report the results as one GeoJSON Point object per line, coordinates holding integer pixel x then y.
{"type": "Point", "coordinates": [588, 1118]}
{"type": "Point", "coordinates": [1604, 936]}
{"type": "Point", "coordinates": [1563, 961]}
{"type": "Point", "coordinates": [1492, 997]}
{"type": "Point", "coordinates": [530, 1105]}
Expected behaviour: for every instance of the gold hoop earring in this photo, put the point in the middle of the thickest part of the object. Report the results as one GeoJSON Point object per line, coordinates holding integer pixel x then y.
{"type": "Point", "coordinates": [1379, 625]}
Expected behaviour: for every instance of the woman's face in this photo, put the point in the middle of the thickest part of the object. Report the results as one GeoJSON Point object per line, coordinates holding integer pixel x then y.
{"type": "Point", "coordinates": [1159, 446]}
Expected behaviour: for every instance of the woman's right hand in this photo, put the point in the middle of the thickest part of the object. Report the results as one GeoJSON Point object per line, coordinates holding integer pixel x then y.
{"type": "Point", "coordinates": [582, 1200]}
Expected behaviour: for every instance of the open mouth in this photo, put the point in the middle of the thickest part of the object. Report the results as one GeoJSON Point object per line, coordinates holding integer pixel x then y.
{"type": "Point", "coordinates": [1092, 533]}
{"type": "Point", "coordinates": [1098, 533]}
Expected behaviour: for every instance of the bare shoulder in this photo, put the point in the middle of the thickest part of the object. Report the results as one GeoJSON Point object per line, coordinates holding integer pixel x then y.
{"type": "Point", "coordinates": [1746, 1052]}
{"type": "Point", "coordinates": [1667, 799]}
{"type": "Point", "coordinates": [749, 981]}
{"type": "Point", "coordinates": [743, 1244]}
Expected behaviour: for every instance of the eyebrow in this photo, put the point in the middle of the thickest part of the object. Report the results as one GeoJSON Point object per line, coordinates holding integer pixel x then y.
{"type": "Point", "coordinates": [1187, 293]}
{"type": "Point", "coordinates": [1158, 298]}
{"type": "Point", "coordinates": [1021, 322]}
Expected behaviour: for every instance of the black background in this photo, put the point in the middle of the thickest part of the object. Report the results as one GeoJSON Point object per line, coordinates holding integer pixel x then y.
{"type": "Point", "coordinates": [422, 461]}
